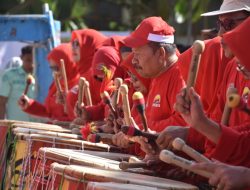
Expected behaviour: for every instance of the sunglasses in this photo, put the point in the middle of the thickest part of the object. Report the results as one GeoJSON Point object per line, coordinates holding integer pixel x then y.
{"type": "Point", "coordinates": [75, 44]}
{"type": "Point", "coordinates": [229, 24]}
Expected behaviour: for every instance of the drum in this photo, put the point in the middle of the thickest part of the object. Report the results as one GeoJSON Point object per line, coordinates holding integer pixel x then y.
{"type": "Point", "coordinates": [117, 186]}
{"type": "Point", "coordinates": [24, 156]}
{"type": "Point", "coordinates": [83, 174]}
{"type": "Point", "coordinates": [6, 144]}
{"type": "Point", "coordinates": [95, 159]}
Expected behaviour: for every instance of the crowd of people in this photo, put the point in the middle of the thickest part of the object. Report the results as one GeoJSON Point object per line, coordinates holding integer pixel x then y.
{"type": "Point", "coordinates": [148, 61]}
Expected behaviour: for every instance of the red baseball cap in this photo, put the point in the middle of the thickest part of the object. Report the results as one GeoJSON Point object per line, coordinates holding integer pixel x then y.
{"type": "Point", "coordinates": [150, 29]}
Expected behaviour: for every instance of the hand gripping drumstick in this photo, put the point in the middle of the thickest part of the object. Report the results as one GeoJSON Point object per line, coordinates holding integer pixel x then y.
{"type": "Point", "coordinates": [107, 100]}
{"type": "Point", "coordinates": [100, 137]}
{"type": "Point", "coordinates": [29, 81]}
{"type": "Point", "coordinates": [179, 144]}
{"type": "Point", "coordinates": [170, 158]}
{"type": "Point", "coordinates": [125, 104]}
{"type": "Point", "coordinates": [58, 84]}
{"type": "Point", "coordinates": [115, 100]}
{"type": "Point", "coordinates": [132, 131]}
{"type": "Point", "coordinates": [236, 101]}
{"type": "Point", "coordinates": [198, 48]}
{"type": "Point", "coordinates": [227, 110]}
{"type": "Point", "coordinates": [59, 88]}
{"type": "Point", "coordinates": [64, 76]}
{"type": "Point", "coordinates": [87, 93]}
{"type": "Point", "coordinates": [139, 103]}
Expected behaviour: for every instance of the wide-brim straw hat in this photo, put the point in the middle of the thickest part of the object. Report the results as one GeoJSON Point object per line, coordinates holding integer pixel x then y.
{"type": "Point", "coordinates": [230, 6]}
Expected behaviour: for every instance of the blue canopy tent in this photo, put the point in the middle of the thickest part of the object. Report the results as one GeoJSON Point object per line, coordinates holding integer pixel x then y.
{"type": "Point", "coordinates": [43, 32]}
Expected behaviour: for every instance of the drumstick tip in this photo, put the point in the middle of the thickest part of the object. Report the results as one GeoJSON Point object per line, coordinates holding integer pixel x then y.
{"type": "Point", "coordinates": [198, 46]}
{"type": "Point", "coordinates": [178, 143]}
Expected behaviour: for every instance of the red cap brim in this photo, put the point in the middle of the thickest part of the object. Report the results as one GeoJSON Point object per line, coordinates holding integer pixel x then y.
{"type": "Point", "coordinates": [133, 42]}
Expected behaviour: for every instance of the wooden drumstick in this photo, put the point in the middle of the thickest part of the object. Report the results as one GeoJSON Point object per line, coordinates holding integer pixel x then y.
{"type": "Point", "coordinates": [180, 145]}
{"type": "Point", "coordinates": [126, 165]}
{"type": "Point", "coordinates": [227, 110]}
{"type": "Point", "coordinates": [139, 103]}
{"type": "Point", "coordinates": [87, 93]}
{"type": "Point", "coordinates": [58, 84]}
{"type": "Point", "coordinates": [107, 100]}
{"type": "Point", "coordinates": [134, 159]}
{"type": "Point", "coordinates": [132, 131]}
{"type": "Point", "coordinates": [64, 76]}
{"type": "Point", "coordinates": [236, 101]}
{"type": "Point", "coordinates": [100, 137]}
{"type": "Point", "coordinates": [197, 49]}
{"type": "Point", "coordinates": [80, 92]}
{"type": "Point", "coordinates": [59, 88]}
{"type": "Point", "coordinates": [170, 158]}
{"type": "Point", "coordinates": [29, 81]}
{"type": "Point", "coordinates": [115, 100]}
{"type": "Point", "coordinates": [125, 104]}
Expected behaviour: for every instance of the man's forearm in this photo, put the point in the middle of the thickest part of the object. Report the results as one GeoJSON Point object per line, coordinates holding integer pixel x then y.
{"type": "Point", "coordinates": [210, 129]}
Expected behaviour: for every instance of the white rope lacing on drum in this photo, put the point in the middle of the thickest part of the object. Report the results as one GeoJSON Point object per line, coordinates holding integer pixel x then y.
{"type": "Point", "coordinates": [26, 161]}
{"type": "Point", "coordinates": [43, 166]}
{"type": "Point", "coordinates": [35, 170]}
{"type": "Point", "coordinates": [82, 145]}
{"type": "Point", "coordinates": [51, 179]}
{"type": "Point", "coordinates": [69, 160]}
{"type": "Point", "coordinates": [54, 143]}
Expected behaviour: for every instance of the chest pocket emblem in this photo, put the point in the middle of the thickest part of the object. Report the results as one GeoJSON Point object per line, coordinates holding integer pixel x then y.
{"type": "Point", "coordinates": [157, 101]}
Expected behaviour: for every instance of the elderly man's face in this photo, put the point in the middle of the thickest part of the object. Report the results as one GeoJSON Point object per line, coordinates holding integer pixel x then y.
{"type": "Point", "coordinates": [146, 61]}
{"type": "Point", "coordinates": [229, 21]}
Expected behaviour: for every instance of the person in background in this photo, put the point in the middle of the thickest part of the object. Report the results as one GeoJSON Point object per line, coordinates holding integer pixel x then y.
{"type": "Point", "coordinates": [13, 85]}
{"type": "Point", "coordinates": [53, 108]}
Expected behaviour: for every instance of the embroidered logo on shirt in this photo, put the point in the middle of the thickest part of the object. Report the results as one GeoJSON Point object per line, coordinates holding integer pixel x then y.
{"type": "Point", "coordinates": [245, 91]}
{"type": "Point", "coordinates": [74, 90]}
{"type": "Point", "coordinates": [157, 101]}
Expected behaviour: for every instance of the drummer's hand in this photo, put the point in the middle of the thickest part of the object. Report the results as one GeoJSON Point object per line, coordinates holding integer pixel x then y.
{"type": "Point", "coordinates": [121, 140]}
{"type": "Point", "coordinates": [192, 113]}
{"type": "Point", "coordinates": [60, 98]}
{"type": "Point", "coordinates": [23, 102]}
{"type": "Point", "coordinates": [107, 128]}
{"type": "Point", "coordinates": [166, 137]}
{"type": "Point", "coordinates": [81, 112]}
{"type": "Point", "coordinates": [78, 121]}
{"type": "Point", "coordinates": [145, 146]}
{"type": "Point", "coordinates": [117, 124]}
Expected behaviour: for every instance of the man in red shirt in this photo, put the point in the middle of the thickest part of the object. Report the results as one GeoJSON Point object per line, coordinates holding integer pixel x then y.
{"type": "Point", "coordinates": [155, 57]}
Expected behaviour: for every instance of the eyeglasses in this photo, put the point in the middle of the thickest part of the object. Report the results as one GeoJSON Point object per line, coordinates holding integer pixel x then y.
{"type": "Point", "coordinates": [229, 24]}
{"type": "Point", "coordinates": [54, 68]}
{"type": "Point", "coordinates": [75, 44]}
